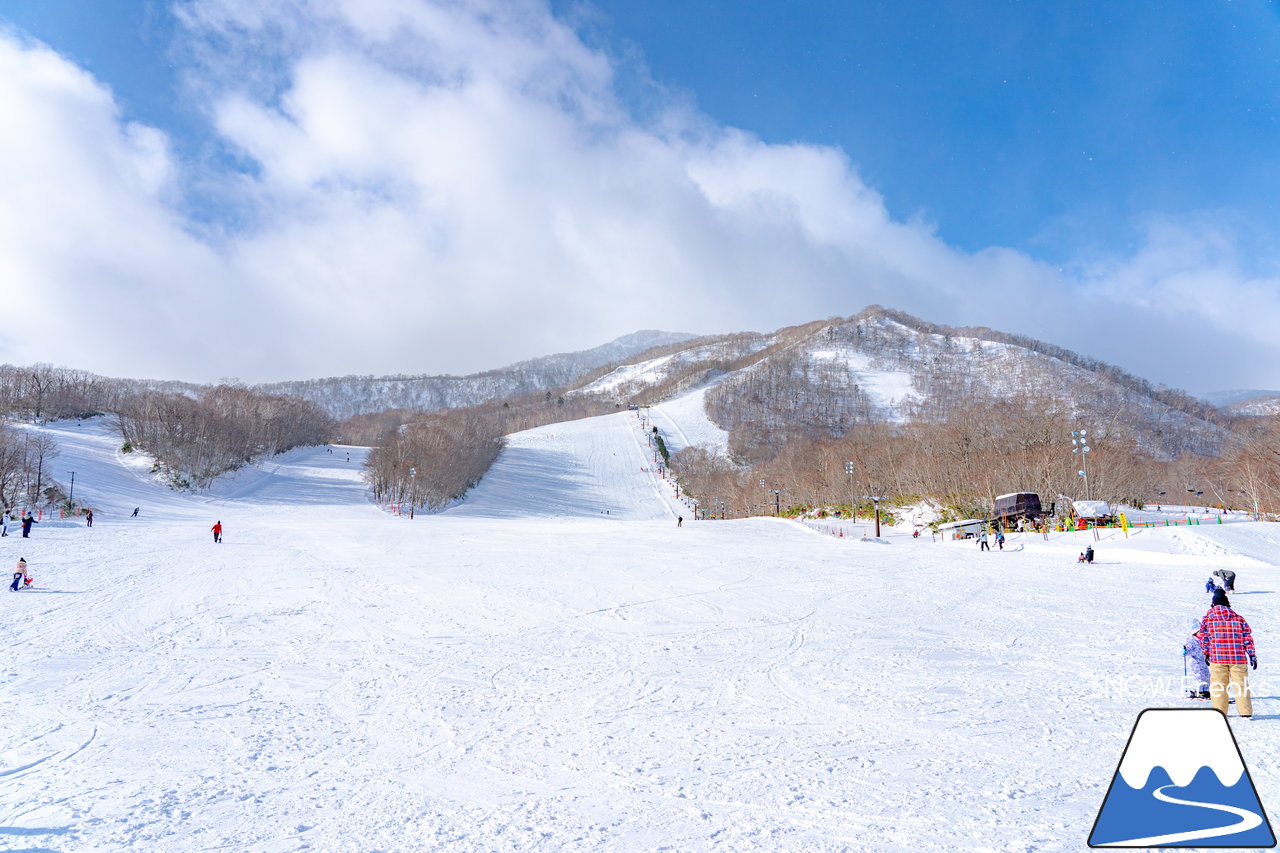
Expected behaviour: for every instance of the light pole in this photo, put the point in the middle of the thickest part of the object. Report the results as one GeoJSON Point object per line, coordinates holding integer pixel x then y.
{"type": "Point", "coordinates": [413, 490]}
{"type": "Point", "coordinates": [848, 469]}
{"type": "Point", "coordinates": [71, 498]}
{"type": "Point", "coordinates": [777, 502]}
{"type": "Point", "coordinates": [1081, 442]}
{"type": "Point", "coordinates": [876, 500]}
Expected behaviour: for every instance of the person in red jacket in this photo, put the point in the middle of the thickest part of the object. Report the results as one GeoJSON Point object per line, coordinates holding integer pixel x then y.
{"type": "Point", "coordinates": [1228, 647]}
{"type": "Point", "coordinates": [217, 531]}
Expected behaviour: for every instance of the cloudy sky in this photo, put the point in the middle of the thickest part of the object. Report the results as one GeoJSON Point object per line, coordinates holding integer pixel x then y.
{"type": "Point", "coordinates": [217, 188]}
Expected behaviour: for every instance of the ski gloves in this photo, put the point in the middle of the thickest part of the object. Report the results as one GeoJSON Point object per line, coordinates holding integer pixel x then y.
{"type": "Point", "coordinates": [1253, 661]}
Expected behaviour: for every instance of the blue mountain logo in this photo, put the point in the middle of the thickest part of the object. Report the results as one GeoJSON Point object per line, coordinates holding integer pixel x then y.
{"type": "Point", "coordinates": [1182, 783]}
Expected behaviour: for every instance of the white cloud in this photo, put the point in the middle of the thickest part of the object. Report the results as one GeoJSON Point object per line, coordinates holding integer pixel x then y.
{"type": "Point", "coordinates": [451, 186]}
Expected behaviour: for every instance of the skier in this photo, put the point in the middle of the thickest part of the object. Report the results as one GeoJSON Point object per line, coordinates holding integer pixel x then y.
{"type": "Point", "coordinates": [136, 510]}
{"type": "Point", "coordinates": [1000, 539]}
{"type": "Point", "coordinates": [982, 542]}
{"type": "Point", "coordinates": [217, 531]}
{"type": "Point", "coordinates": [679, 521]}
{"type": "Point", "coordinates": [4, 523]}
{"type": "Point", "coordinates": [20, 574]}
{"type": "Point", "coordinates": [27, 521]}
{"type": "Point", "coordinates": [88, 518]}
{"type": "Point", "coordinates": [1088, 554]}
{"type": "Point", "coordinates": [1193, 657]}
{"type": "Point", "coordinates": [1227, 643]}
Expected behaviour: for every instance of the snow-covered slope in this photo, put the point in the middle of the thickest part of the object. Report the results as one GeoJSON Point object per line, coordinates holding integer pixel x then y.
{"type": "Point", "coordinates": [1255, 407]}
{"type": "Point", "coordinates": [593, 468]}
{"type": "Point", "coordinates": [683, 422]}
{"type": "Point", "coordinates": [880, 365]}
{"type": "Point", "coordinates": [523, 673]}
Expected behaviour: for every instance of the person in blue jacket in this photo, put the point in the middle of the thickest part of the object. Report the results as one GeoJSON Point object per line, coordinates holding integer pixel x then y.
{"type": "Point", "coordinates": [1197, 680]}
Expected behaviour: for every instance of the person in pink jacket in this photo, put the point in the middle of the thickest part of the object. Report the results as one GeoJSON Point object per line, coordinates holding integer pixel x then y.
{"type": "Point", "coordinates": [20, 575]}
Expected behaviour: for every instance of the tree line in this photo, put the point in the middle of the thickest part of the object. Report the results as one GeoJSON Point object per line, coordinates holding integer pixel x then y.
{"type": "Point", "coordinates": [427, 460]}
{"type": "Point", "coordinates": [978, 451]}
{"type": "Point", "coordinates": [194, 439]}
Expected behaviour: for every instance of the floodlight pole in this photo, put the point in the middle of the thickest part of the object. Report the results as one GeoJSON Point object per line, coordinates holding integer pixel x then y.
{"type": "Point", "coordinates": [848, 469]}
{"type": "Point", "coordinates": [1080, 439]}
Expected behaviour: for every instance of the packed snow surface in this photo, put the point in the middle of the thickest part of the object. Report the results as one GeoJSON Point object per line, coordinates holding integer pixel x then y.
{"type": "Point", "coordinates": [553, 664]}
{"type": "Point", "coordinates": [683, 422]}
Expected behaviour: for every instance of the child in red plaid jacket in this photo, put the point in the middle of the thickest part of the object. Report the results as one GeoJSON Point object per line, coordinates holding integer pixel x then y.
{"type": "Point", "coordinates": [1228, 647]}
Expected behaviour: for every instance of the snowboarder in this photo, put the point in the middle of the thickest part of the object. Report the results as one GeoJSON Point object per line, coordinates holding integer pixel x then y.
{"type": "Point", "coordinates": [27, 521]}
{"type": "Point", "coordinates": [982, 542]}
{"type": "Point", "coordinates": [88, 518]}
{"type": "Point", "coordinates": [1196, 681]}
{"type": "Point", "coordinates": [679, 521]}
{"type": "Point", "coordinates": [136, 510]}
{"type": "Point", "coordinates": [217, 531]}
{"type": "Point", "coordinates": [20, 574]}
{"type": "Point", "coordinates": [1227, 644]}
{"type": "Point", "coordinates": [1225, 579]}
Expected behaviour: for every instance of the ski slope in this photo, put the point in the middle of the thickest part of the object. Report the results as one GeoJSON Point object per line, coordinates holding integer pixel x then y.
{"type": "Point", "coordinates": [553, 665]}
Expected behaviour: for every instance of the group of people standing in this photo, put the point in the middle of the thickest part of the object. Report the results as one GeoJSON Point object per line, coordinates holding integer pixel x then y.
{"type": "Point", "coordinates": [984, 543]}
{"type": "Point", "coordinates": [1220, 650]}
{"type": "Point", "coordinates": [27, 520]}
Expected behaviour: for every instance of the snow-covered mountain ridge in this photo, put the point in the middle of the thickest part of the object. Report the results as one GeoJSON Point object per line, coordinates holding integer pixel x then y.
{"type": "Point", "coordinates": [345, 396]}
{"type": "Point", "coordinates": [886, 366]}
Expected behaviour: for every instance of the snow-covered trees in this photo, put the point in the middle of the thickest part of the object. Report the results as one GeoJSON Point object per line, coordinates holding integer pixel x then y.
{"type": "Point", "coordinates": [194, 439]}
{"type": "Point", "coordinates": [26, 478]}
{"type": "Point", "coordinates": [44, 392]}
{"type": "Point", "coordinates": [430, 459]}
{"type": "Point", "coordinates": [434, 459]}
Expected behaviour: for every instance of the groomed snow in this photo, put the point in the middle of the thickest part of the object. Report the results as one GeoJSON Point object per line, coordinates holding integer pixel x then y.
{"type": "Point", "coordinates": [886, 389]}
{"type": "Point", "coordinates": [684, 422]}
{"type": "Point", "coordinates": [643, 371]}
{"type": "Point", "coordinates": [525, 673]}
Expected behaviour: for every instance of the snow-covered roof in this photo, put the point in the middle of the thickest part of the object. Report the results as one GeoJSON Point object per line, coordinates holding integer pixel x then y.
{"type": "Point", "coordinates": [967, 522]}
{"type": "Point", "coordinates": [1091, 509]}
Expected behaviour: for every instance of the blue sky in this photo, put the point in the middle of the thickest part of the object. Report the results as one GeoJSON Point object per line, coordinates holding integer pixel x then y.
{"type": "Point", "coordinates": [527, 178]}
{"type": "Point", "coordinates": [1044, 126]}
